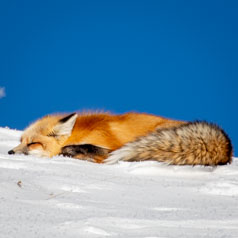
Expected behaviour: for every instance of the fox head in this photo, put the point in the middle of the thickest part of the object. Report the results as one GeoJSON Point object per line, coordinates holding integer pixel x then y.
{"type": "Point", "coordinates": [45, 137]}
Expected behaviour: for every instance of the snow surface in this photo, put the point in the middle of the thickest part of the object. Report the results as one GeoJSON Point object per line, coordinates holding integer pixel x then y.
{"type": "Point", "coordinates": [63, 197]}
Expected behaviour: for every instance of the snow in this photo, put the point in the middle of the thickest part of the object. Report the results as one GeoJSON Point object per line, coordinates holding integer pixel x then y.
{"type": "Point", "coordinates": [63, 197]}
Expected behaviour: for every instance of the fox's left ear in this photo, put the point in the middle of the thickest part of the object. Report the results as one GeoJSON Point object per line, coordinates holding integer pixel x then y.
{"type": "Point", "coordinates": [65, 125]}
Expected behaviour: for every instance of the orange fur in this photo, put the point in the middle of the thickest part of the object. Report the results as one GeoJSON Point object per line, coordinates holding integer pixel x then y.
{"type": "Point", "coordinates": [104, 137]}
{"type": "Point", "coordinates": [100, 129]}
{"type": "Point", "coordinates": [113, 131]}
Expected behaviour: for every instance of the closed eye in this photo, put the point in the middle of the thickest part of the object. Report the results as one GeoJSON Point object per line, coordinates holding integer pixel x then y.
{"type": "Point", "coordinates": [34, 143]}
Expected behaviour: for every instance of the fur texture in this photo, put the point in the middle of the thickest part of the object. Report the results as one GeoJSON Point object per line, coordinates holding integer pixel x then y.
{"type": "Point", "coordinates": [66, 134]}
{"type": "Point", "coordinates": [108, 138]}
{"type": "Point", "coordinates": [194, 143]}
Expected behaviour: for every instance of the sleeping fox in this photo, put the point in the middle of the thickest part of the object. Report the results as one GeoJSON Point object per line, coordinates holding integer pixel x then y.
{"type": "Point", "coordinates": [108, 138]}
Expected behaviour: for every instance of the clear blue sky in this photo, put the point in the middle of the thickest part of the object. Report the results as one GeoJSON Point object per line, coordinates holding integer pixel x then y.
{"type": "Point", "coordinates": [178, 59]}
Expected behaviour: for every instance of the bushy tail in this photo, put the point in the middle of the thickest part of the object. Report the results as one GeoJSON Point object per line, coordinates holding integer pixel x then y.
{"type": "Point", "coordinates": [193, 143]}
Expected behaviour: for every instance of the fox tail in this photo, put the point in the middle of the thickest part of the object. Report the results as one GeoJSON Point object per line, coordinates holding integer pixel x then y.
{"type": "Point", "coordinates": [193, 143]}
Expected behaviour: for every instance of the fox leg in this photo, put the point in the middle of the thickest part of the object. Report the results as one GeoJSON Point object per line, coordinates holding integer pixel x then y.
{"type": "Point", "coordinates": [86, 152]}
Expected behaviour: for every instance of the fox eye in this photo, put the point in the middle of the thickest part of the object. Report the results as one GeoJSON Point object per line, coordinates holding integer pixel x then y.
{"type": "Point", "coordinates": [34, 143]}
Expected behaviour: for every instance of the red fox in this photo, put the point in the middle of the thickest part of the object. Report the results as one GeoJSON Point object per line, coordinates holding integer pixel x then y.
{"type": "Point", "coordinates": [108, 138]}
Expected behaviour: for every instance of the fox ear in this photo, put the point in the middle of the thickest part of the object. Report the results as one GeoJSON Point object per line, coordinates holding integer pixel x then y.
{"type": "Point", "coordinates": [65, 125]}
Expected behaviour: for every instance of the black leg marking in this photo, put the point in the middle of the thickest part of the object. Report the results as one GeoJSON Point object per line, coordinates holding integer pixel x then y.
{"type": "Point", "coordinates": [85, 149]}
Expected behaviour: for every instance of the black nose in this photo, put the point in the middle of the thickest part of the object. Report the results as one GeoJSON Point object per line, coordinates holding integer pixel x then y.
{"type": "Point", "coordinates": [10, 152]}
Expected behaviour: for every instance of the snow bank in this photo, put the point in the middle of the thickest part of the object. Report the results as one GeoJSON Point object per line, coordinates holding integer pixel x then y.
{"type": "Point", "coordinates": [63, 197]}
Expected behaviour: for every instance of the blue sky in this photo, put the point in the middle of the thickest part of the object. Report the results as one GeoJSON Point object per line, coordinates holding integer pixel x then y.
{"type": "Point", "coordinates": [178, 59]}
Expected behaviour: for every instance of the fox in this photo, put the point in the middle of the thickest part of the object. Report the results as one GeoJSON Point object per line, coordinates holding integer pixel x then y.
{"type": "Point", "coordinates": [102, 137]}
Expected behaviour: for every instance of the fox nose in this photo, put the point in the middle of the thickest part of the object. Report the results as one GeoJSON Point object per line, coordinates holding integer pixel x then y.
{"type": "Point", "coordinates": [10, 152]}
